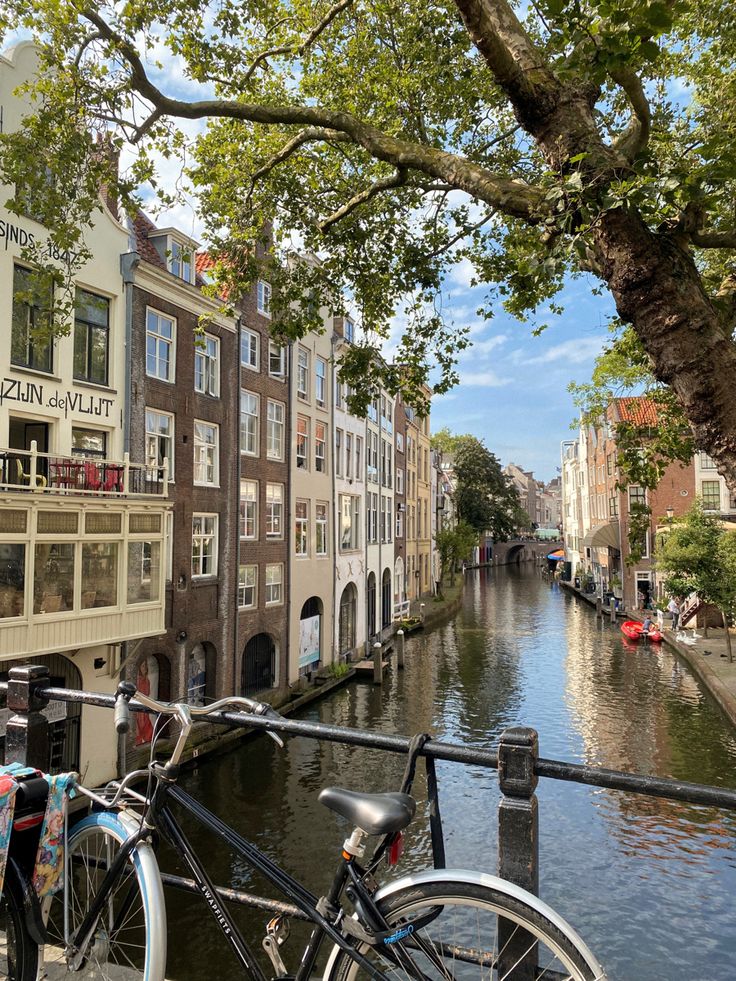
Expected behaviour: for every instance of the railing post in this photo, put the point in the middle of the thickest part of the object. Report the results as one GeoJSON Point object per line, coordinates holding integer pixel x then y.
{"type": "Point", "coordinates": [518, 840]}
{"type": "Point", "coordinates": [27, 733]}
{"type": "Point", "coordinates": [126, 473]}
{"type": "Point", "coordinates": [400, 641]}
{"type": "Point", "coordinates": [34, 466]}
{"type": "Point", "coordinates": [166, 476]}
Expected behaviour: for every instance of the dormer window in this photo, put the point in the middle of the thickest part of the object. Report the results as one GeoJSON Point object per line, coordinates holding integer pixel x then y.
{"type": "Point", "coordinates": [180, 261]}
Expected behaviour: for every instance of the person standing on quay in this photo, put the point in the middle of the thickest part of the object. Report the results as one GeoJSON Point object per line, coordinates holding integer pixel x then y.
{"type": "Point", "coordinates": [674, 607]}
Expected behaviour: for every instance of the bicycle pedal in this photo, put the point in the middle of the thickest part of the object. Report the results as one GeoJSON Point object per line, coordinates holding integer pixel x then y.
{"type": "Point", "coordinates": [279, 929]}
{"type": "Point", "coordinates": [271, 945]}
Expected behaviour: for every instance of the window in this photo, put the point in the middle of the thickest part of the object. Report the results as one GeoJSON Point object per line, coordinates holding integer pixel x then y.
{"type": "Point", "coordinates": [29, 315]}
{"type": "Point", "coordinates": [275, 430]}
{"type": "Point", "coordinates": [159, 440]}
{"type": "Point", "coordinates": [387, 412]}
{"type": "Point", "coordinates": [320, 545]}
{"type": "Point", "coordinates": [247, 586]}
{"type": "Point", "coordinates": [264, 298]}
{"type": "Point", "coordinates": [399, 523]}
{"type": "Point", "coordinates": [320, 447]}
{"type": "Point", "coordinates": [386, 467]}
{"type": "Point", "coordinates": [204, 545]}
{"type": "Point", "coordinates": [274, 576]}
{"type": "Point", "coordinates": [372, 517]}
{"type": "Point", "coordinates": [348, 455]}
{"type": "Point", "coordinates": [349, 330]}
{"type": "Point", "coordinates": [301, 528]}
{"type": "Point", "coordinates": [249, 348]}
{"type": "Point", "coordinates": [338, 452]}
{"type": "Point", "coordinates": [400, 442]}
{"type": "Point", "coordinates": [349, 522]}
{"type": "Point", "coordinates": [609, 464]}
{"type": "Point", "coordinates": [180, 261]}
{"type": "Point", "coordinates": [90, 443]}
{"type": "Point", "coordinates": [302, 373]}
{"type": "Point", "coordinates": [399, 480]}
{"type": "Point", "coordinates": [91, 337]}
{"type": "Point", "coordinates": [274, 510]}
{"type": "Point", "coordinates": [206, 455]}
{"type": "Point", "coordinates": [706, 462]}
{"type": "Point", "coordinates": [276, 360]}
{"type": "Point", "coordinates": [249, 406]}
{"type": "Point", "coordinates": [207, 366]}
{"type": "Point", "coordinates": [248, 509]}
{"type": "Point", "coordinates": [358, 458]}
{"type": "Point", "coordinates": [338, 393]}
{"type": "Point", "coordinates": [711, 493]}
{"type": "Point", "coordinates": [637, 497]}
{"type": "Point", "coordinates": [320, 381]}
{"type": "Point", "coordinates": [372, 451]}
{"type": "Point", "coordinates": [302, 443]}
{"type": "Point", "coordinates": [612, 507]}
{"type": "Point", "coordinates": [160, 335]}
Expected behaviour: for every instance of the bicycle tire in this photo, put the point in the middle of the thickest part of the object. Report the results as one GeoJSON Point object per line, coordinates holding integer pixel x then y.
{"type": "Point", "coordinates": [131, 933]}
{"type": "Point", "coordinates": [18, 951]}
{"type": "Point", "coordinates": [466, 911]}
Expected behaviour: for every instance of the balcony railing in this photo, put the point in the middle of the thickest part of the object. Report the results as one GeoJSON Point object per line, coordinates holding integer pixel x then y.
{"type": "Point", "coordinates": [47, 473]}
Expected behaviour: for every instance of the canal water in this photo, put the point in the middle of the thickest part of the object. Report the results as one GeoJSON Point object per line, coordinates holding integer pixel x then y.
{"type": "Point", "coordinates": [649, 884]}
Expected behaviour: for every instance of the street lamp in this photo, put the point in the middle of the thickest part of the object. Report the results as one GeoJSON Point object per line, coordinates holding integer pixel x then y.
{"type": "Point", "coordinates": [670, 513]}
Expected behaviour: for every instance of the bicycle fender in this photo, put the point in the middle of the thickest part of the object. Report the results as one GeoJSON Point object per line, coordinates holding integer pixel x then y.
{"type": "Point", "coordinates": [31, 906]}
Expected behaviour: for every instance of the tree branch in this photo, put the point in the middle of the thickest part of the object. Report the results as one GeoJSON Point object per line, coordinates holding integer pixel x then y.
{"type": "Point", "coordinates": [397, 179]}
{"type": "Point", "coordinates": [704, 239]}
{"type": "Point", "coordinates": [512, 198]}
{"type": "Point", "coordinates": [636, 135]}
{"type": "Point", "coordinates": [310, 135]}
{"type": "Point", "coordinates": [465, 230]}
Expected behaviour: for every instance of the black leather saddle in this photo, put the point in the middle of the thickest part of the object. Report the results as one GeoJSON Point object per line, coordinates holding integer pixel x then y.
{"type": "Point", "coordinates": [376, 814]}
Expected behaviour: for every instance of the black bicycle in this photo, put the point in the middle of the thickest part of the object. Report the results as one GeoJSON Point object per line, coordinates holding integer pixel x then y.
{"type": "Point", "coordinates": [110, 920]}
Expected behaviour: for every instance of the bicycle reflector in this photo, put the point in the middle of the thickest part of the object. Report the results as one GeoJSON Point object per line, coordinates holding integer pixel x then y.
{"type": "Point", "coordinates": [395, 849]}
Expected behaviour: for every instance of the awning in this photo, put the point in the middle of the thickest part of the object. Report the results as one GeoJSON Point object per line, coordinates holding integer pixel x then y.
{"type": "Point", "coordinates": [557, 556]}
{"type": "Point", "coordinates": [604, 536]}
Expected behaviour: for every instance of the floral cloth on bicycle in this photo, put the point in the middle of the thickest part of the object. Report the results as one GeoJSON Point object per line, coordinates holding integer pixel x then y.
{"type": "Point", "coordinates": [8, 789]}
{"type": "Point", "coordinates": [48, 876]}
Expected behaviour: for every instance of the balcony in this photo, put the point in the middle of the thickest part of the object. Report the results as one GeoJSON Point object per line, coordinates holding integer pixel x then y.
{"type": "Point", "coordinates": [82, 552]}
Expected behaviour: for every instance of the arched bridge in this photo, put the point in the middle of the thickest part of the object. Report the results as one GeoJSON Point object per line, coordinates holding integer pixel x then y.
{"type": "Point", "coordinates": [520, 550]}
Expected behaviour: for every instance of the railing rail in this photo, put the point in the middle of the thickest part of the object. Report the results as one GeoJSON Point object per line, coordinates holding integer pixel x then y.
{"type": "Point", "coordinates": [55, 474]}
{"type": "Point", "coordinates": [516, 759]}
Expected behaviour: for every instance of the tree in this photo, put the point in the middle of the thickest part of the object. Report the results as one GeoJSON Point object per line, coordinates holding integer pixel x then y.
{"type": "Point", "coordinates": [484, 497]}
{"type": "Point", "coordinates": [698, 555]}
{"type": "Point", "coordinates": [396, 138]}
{"type": "Point", "coordinates": [454, 545]}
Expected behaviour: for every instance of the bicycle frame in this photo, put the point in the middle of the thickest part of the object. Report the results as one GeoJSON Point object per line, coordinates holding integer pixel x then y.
{"type": "Point", "coordinates": [161, 819]}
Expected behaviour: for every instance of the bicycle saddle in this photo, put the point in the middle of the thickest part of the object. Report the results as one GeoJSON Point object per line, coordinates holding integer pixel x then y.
{"type": "Point", "coordinates": [376, 814]}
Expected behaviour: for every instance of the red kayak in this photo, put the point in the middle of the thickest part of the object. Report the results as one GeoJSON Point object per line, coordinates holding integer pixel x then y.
{"type": "Point", "coordinates": [633, 630]}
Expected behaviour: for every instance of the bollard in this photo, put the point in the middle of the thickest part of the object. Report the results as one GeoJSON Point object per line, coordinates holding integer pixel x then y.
{"type": "Point", "coordinates": [27, 733]}
{"type": "Point", "coordinates": [613, 610]}
{"type": "Point", "coordinates": [518, 841]}
{"type": "Point", "coordinates": [377, 664]}
{"type": "Point", "coordinates": [599, 607]}
{"type": "Point", "coordinates": [400, 641]}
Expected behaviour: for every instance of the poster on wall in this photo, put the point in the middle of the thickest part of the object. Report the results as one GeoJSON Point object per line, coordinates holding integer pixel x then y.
{"type": "Point", "coordinates": [309, 641]}
{"type": "Point", "coordinates": [146, 682]}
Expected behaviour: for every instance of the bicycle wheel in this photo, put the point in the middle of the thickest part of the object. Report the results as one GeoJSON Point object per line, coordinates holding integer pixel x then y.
{"type": "Point", "coordinates": [129, 941]}
{"type": "Point", "coordinates": [18, 952]}
{"type": "Point", "coordinates": [454, 925]}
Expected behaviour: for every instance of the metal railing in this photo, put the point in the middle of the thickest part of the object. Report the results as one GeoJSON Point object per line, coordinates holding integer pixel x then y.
{"type": "Point", "coordinates": [55, 474]}
{"type": "Point", "coordinates": [516, 759]}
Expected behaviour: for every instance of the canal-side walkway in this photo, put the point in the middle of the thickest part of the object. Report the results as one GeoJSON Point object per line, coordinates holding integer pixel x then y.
{"type": "Point", "coordinates": [707, 656]}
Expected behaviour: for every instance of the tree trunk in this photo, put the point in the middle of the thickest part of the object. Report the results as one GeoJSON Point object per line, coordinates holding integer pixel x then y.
{"type": "Point", "coordinates": [728, 637]}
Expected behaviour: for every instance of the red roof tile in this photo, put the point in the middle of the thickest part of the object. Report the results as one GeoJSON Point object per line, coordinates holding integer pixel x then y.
{"type": "Point", "coordinates": [639, 410]}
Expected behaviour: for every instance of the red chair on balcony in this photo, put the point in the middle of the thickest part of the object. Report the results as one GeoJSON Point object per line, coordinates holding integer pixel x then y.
{"type": "Point", "coordinates": [92, 478]}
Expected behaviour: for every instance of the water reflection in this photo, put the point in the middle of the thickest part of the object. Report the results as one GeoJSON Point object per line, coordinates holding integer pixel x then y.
{"type": "Point", "coordinates": [648, 883]}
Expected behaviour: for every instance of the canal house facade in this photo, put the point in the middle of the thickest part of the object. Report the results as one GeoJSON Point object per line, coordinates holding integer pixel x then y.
{"type": "Point", "coordinates": [349, 521]}
{"type": "Point", "coordinates": [400, 498]}
{"type": "Point", "coordinates": [83, 521]}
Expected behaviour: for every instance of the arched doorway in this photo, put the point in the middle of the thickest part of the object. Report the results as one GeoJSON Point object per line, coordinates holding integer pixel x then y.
{"type": "Point", "coordinates": [348, 608]}
{"type": "Point", "coordinates": [310, 635]}
{"type": "Point", "coordinates": [399, 594]}
{"type": "Point", "coordinates": [200, 674]}
{"type": "Point", "coordinates": [65, 718]}
{"type": "Point", "coordinates": [386, 609]}
{"type": "Point", "coordinates": [259, 664]}
{"type": "Point", "coordinates": [371, 597]}
{"type": "Point", "coordinates": [153, 677]}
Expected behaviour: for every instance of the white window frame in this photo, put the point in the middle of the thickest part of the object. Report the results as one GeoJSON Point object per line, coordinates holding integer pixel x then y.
{"type": "Point", "coordinates": [321, 528]}
{"type": "Point", "coordinates": [320, 459]}
{"type": "Point", "coordinates": [302, 373]}
{"type": "Point", "coordinates": [247, 572]}
{"type": "Point", "coordinates": [349, 511]}
{"type": "Point", "coordinates": [706, 507]}
{"type": "Point", "coordinates": [338, 452]}
{"type": "Point", "coordinates": [348, 454]}
{"type": "Point", "coordinates": [250, 415]}
{"type": "Point", "coordinates": [358, 458]}
{"type": "Point", "coordinates": [275, 429]}
{"type": "Point", "coordinates": [320, 382]}
{"type": "Point", "coordinates": [263, 298]}
{"type": "Point", "coordinates": [274, 501]}
{"type": "Point", "coordinates": [207, 366]}
{"type": "Point", "coordinates": [278, 583]}
{"type": "Point", "coordinates": [399, 480]}
{"type": "Point", "coordinates": [349, 330]}
{"type": "Point", "coordinates": [248, 513]}
{"type": "Point", "coordinates": [176, 253]}
{"type": "Point", "coordinates": [301, 443]}
{"type": "Point", "coordinates": [250, 349]}
{"type": "Point", "coordinates": [277, 350]}
{"type": "Point", "coordinates": [400, 442]}
{"type": "Point", "coordinates": [301, 528]}
{"type": "Point", "coordinates": [160, 339]}
{"type": "Point", "coordinates": [169, 442]}
{"type": "Point", "coordinates": [205, 536]}
{"type": "Point", "coordinates": [206, 454]}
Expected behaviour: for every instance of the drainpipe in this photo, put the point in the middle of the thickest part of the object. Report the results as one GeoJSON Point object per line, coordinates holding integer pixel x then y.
{"type": "Point", "coordinates": [287, 507]}
{"type": "Point", "coordinates": [129, 263]}
{"type": "Point", "coordinates": [237, 682]}
{"type": "Point", "coordinates": [333, 499]}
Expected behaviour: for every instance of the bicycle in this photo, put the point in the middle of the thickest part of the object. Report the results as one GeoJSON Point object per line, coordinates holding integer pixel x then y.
{"type": "Point", "coordinates": [439, 925]}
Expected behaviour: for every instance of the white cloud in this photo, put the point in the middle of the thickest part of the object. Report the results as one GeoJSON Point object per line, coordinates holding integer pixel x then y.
{"type": "Point", "coordinates": [575, 351]}
{"type": "Point", "coordinates": [483, 379]}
